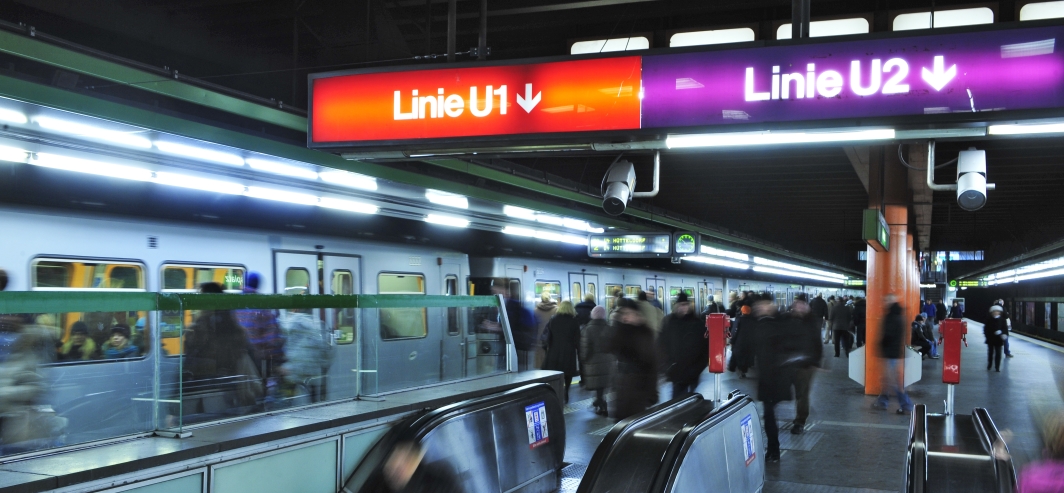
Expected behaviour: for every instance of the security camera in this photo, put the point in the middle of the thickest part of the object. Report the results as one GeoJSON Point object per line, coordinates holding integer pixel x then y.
{"type": "Point", "coordinates": [617, 187]}
{"type": "Point", "coordinates": [971, 179]}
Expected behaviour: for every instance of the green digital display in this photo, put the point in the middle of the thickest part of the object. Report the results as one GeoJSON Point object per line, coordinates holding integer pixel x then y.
{"type": "Point", "coordinates": [629, 245]}
{"type": "Point", "coordinates": [685, 244]}
{"type": "Point", "coordinates": [854, 282]}
{"type": "Point", "coordinates": [968, 284]}
{"type": "Point", "coordinates": [875, 231]}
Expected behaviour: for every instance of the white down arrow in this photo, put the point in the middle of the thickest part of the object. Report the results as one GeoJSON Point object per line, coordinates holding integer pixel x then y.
{"type": "Point", "coordinates": [939, 77]}
{"type": "Point", "coordinates": [528, 102]}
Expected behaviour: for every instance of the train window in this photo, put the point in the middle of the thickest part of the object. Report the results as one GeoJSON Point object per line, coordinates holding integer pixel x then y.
{"type": "Point", "coordinates": [612, 290]}
{"type": "Point", "coordinates": [182, 278]}
{"type": "Point", "coordinates": [576, 294]}
{"type": "Point", "coordinates": [296, 281]}
{"type": "Point", "coordinates": [553, 289]}
{"type": "Point", "coordinates": [632, 291]}
{"type": "Point", "coordinates": [53, 274]}
{"type": "Point", "coordinates": [402, 323]}
{"type": "Point", "coordinates": [343, 283]}
{"type": "Point", "coordinates": [515, 290]}
{"type": "Point", "coordinates": [450, 288]}
{"type": "Point", "coordinates": [591, 289]}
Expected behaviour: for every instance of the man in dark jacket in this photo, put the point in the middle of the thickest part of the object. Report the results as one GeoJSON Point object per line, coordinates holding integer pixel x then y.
{"type": "Point", "coordinates": [819, 308]}
{"type": "Point", "coordinates": [860, 318]}
{"type": "Point", "coordinates": [956, 311]}
{"type": "Point", "coordinates": [684, 344]}
{"type": "Point", "coordinates": [712, 306]}
{"type": "Point", "coordinates": [1008, 317]}
{"type": "Point", "coordinates": [777, 344]}
{"type": "Point", "coordinates": [892, 350]}
{"type": "Point", "coordinates": [918, 338]}
{"type": "Point", "coordinates": [522, 325]}
{"type": "Point", "coordinates": [805, 325]}
{"type": "Point", "coordinates": [996, 332]}
{"type": "Point", "coordinates": [840, 319]}
{"type": "Point", "coordinates": [636, 381]}
{"type": "Point", "coordinates": [597, 364]}
{"type": "Point", "coordinates": [940, 312]}
{"type": "Point", "coordinates": [583, 309]}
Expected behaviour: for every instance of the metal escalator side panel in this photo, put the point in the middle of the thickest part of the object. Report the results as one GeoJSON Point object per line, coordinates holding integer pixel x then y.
{"type": "Point", "coordinates": [916, 456]}
{"type": "Point", "coordinates": [997, 449]}
{"type": "Point", "coordinates": [628, 458]}
{"type": "Point", "coordinates": [731, 433]}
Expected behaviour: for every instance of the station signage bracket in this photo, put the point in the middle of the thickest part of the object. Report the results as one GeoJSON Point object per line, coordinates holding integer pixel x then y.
{"type": "Point", "coordinates": [875, 231]}
{"type": "Point", "coordinates": [1016, 72]}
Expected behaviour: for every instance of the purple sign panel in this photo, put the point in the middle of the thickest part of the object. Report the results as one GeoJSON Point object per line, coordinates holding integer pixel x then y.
{"type": "Point", "coordinates": [951, 73]}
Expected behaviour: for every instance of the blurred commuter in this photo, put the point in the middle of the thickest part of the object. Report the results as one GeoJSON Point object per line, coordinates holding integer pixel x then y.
{"type": "Point", "coordinates": [779, 348]}
{"type": "Point", "coordinates": [216, 346]}
{"type": "Point", "coordinates": [79, 347]}
{"type": "Point", "coordinates": [956, 311]}
{"type": "Point", "coordinates": [918, 339]}
{"type": "Point", "coordinates": [561, 338]}
{"type": "Point", "coordinates": [597, 363]}
{"type": "Point", "coordinates": [743, 342]}
{"type": "Point", "coordinates": [1046, 475]}
{"type": "Point", "coordinates": [652, 314]}
{"type": "Point", "coordinates": [711, 306]}
{"type": "Point", "coordinates": [652, 298]}
{"type": "Point", "coordinates": [892, 350]}
{"type": "Point", "coordinates": [119, 345]}
{"type": "Point", "coordinates": [929, 334]}
{"type": "Point", "coordinates": [840, 318]}
{"type": "Point", "coordinates": [405, 471]}
{"type": "Point", "coordinates": [307, 353]}
{"type": "Point", "coordinates": [636, 382]}
{"type": "Point", "coordinates": [996, 332]}
{"type": "Point", "coordinates": [684, 346]}
{"type": "Point", "coordinates": [1008, 318]}
{"type": "Point", "coordinates": [860, 319]}
{"type": "Point", "coordinates": [733, 305]}
{"type": "Point", "coordinates": [544, 312]}
{"type": "Point", "coordinates": [583, 309]}
{"type": "Point", "coordinates": [522, 325]}
{"type": "Point", "coordinates": [25, 424]}
{"type": "Point", "coordinates": [940, 312]}
{"type": "Point", "coordinates": [806, 362]}
{"type": "Point", "coordinates": [819, 308]}
{"type": "Point", "coordinates": [618, 295]}
{"type": "Point", "coordinates": [264, 334]}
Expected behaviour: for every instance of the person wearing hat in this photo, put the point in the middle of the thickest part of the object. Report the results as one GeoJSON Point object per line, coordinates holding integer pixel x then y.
{"type": "Point", "coordinates": [80, 347]}
{"type": "Point", "coordinates": [118, 345]}
{"type": "Point", "coordinates": [996, 332]}
{"type": "Point", "coordinates": [652, 298]}
{"type": "Point", "coordinates": [1008, 318]}
{"type": "Point", "coordinates": [684, 345]}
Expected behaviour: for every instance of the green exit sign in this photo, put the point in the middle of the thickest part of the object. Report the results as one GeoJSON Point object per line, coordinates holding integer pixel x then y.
{"type": "Point", "coordinates": [875, 231]}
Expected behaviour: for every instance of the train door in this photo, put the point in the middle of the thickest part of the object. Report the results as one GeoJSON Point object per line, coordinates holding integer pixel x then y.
{"type": "Point", "coordinates": [320, 273]}
{"type": "Point", "coordinates": [581, 285]}
{"type": "Point", "coordinates": [454, 341]}
{"type": "Point", "coordinates": [704, 290]}
{"type": "Point", "coordinates": [591, 285]}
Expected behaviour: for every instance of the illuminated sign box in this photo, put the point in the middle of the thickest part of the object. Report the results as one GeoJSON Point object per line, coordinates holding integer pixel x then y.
{"type": "Point", "coordinates": [968, 284]}
{"type": "Point", "coordinates": [686, 243]}
{"type": "Point", "coordinates": [875, 231]}
{"type": "Point", "coordinates": [854, 282]}
{"type": "Point", "coordinates": [629, 245]}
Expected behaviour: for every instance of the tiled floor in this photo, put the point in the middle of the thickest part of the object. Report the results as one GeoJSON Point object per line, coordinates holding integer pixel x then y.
{"type": "Point", "coordinates": [850, 447]}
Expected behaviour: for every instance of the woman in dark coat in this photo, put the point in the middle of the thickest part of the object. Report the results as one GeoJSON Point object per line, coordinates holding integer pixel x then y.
{"type": "Point", "coordinates": [743, 344]}
{"type": "Point", "coordinates": [779, 350]}
{"type": "Point", "coordinates": [996, 330]}
{"type": "Point", "coordinates": [636, 381]}
{"type": "Point", "coordinates": [562, 340]}
{"type": "Point", "coordinates": [597, 363]}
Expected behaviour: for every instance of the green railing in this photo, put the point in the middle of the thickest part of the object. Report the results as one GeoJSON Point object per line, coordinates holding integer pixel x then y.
{"type": "Point", "coordinates": [353, 345]}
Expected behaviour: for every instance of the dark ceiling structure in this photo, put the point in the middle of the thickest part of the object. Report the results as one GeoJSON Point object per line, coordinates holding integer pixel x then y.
{"type": "Point", "coordinates": [807, 199]}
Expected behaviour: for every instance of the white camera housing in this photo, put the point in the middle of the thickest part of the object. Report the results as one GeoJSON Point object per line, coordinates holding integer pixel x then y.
{"type": "Point", "coordinates": [971, 179]}
{"type": "Point", "coordinates": [617, 187]}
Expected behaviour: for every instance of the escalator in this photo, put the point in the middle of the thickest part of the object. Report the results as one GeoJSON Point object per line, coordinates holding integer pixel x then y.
{"type": "Point", "coordinates": [957, 453]}
{"type": "Point", "coordinates": [682, 445]}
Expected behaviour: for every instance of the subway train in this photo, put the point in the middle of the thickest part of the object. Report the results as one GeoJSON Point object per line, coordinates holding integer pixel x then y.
{"type": "Point", "coordinates": [410, 347]}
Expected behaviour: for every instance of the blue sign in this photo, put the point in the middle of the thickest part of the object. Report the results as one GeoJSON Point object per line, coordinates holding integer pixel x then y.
{"type": "Point", "coordinates": [536, 422]}
{"type": "Point", "coordinates": [748, 438]}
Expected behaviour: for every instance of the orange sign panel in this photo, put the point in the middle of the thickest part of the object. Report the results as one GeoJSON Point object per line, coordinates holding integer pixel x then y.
{"type": "Point", "coordinates": [569, 96]}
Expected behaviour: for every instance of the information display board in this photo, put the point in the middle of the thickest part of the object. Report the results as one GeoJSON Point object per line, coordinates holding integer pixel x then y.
{"type": "Point", "coordinates": [968, 284]}
{"type": "Point", "coordinates": [629, 245]}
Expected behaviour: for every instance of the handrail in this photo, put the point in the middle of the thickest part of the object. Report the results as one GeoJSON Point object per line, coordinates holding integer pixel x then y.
{"type": "Point", "coordinates": [916, 460]}
{"type": "Point", "coordinates": [1004, 469]}
{"type": "Point", "coordinates": [683, 441]}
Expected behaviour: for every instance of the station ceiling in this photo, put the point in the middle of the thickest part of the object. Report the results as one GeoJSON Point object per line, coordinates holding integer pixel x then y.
{"type": "Point", "coordinates": [807, 199]}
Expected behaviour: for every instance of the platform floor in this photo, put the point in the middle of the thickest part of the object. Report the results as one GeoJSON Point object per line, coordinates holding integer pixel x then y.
{"type": "Point", "coordinates": [850, 447]}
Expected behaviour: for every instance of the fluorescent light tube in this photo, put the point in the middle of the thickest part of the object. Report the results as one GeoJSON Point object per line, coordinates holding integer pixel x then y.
{"type": "Point", "coordinates": [717, 261]}
{"type": "Point", "coordinates": [197, 183]}
{"type": "Point", "coordinates": [519, 212]}
{"type": "Point", "coordinates": [1043, 128]}
{"type": "Point", "coordinates": [551, 220]}
{"type": "Point", "coordinates": [790, 273]}
{"type": "Point", "coordinates": [12, 116]}
{"type": "Point", "coordinates": [348, 205]}
{"type": "Point", "coordinates": [200, 153]}
{"type": "Point", "coordinates": [452, 221]}
{"type": "Point", "coordinates": [447, 199]}
{"type": "Point", "coordinates": [545, 235]}
{"type": "Point", "coordinates": [282, 196]}
{"type": "Point", "coordinates": [348, 179]}
{"type": "Point", "coordinates": [91, 167]}
{"type": "Point", "coordinates": [768, 137]}
{"type": "Point", "coordinates": [13, 154]}
{"type": "Point", "coordinates": [708, 250]}
{"type": "Point", "coordinates": [783, 265]}
{"type": "Point", "coordinates": [92, 132]}
{"type": "Point", "coordinates": [281, 168]}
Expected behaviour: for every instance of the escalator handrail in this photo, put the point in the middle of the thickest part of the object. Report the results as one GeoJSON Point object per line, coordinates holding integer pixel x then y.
{"type": "Point", "coordinates": [685, 438]}
{"type": "Point", "coordinates": [1004, 469]}
{"type": "Point", "coordinates": [916, 458]}
{"type": "Point", "coordinates": [623, 427]}
{"type": "Point", "coordinates": [416, 427]}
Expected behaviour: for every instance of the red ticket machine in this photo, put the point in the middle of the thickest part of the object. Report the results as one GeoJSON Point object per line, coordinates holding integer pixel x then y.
{"type": "Point", "coordinates": [716, 330]}
{"type": "Point", "coordinates": [953, 332]}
